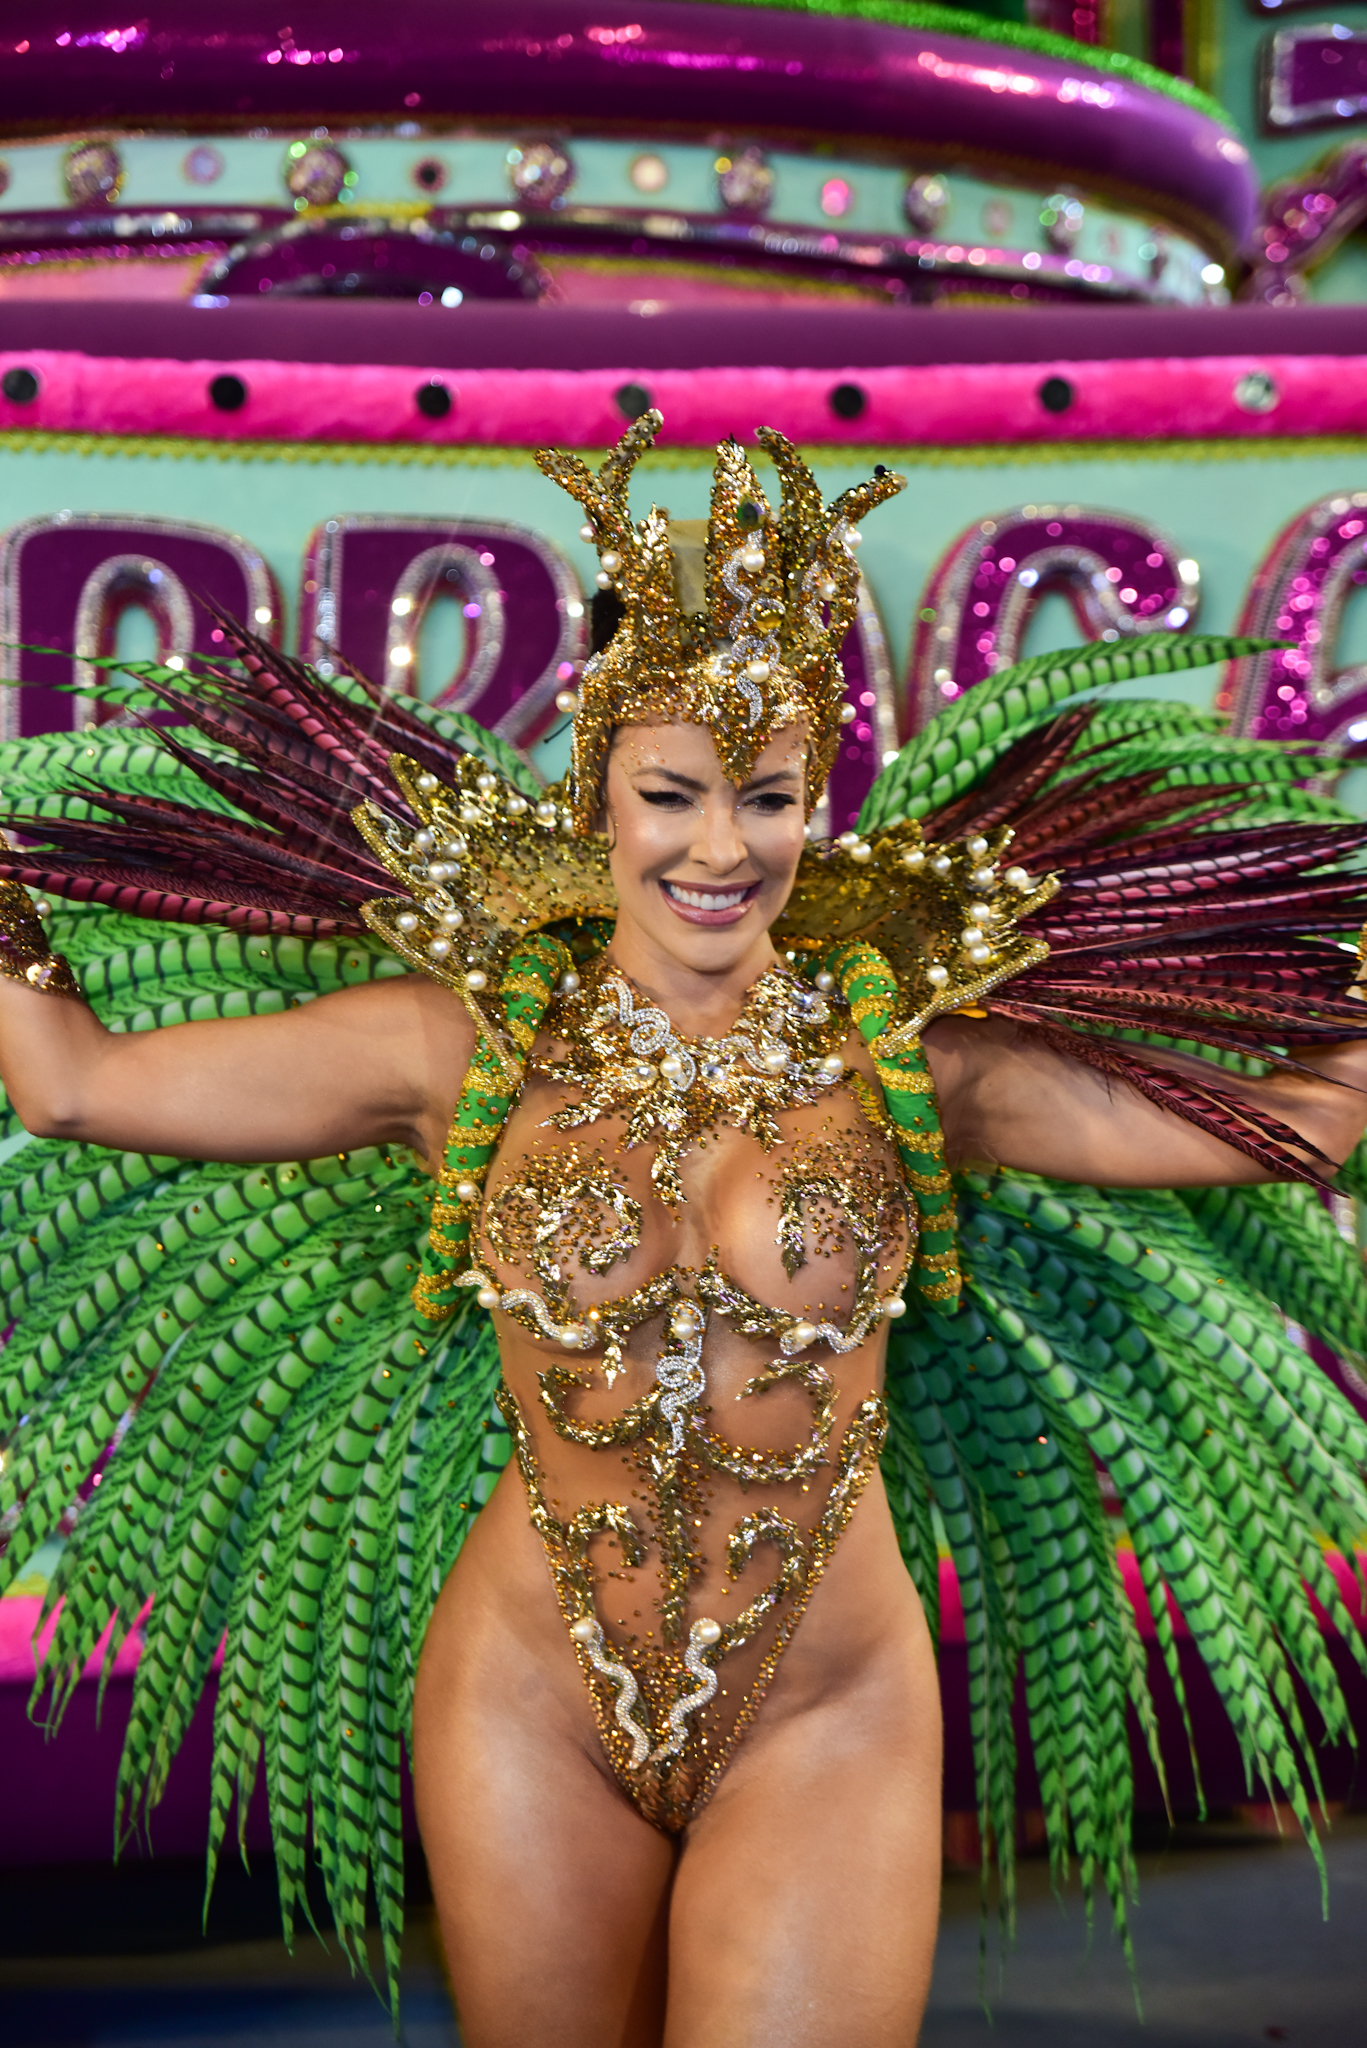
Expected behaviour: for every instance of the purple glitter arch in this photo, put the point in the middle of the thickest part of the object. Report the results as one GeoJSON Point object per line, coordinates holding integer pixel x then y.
{"type": "Point", "coordinates": [666, 64]}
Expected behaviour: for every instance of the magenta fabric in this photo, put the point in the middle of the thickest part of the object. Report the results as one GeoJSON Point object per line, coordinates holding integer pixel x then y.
{"type": "Point", "coordinates": [936, 405]}
{"type": "Point", "coordinates": [18, 1619]}
{"type": "Point", "coordinates": [799, 334]}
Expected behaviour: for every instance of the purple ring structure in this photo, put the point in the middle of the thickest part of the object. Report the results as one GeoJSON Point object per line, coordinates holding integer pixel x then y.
{"type": "Point", "coordinates": [663, 64]}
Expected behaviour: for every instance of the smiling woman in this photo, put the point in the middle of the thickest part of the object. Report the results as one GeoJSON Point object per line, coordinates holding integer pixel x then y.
{"type": "Point", "coordinates": [701, 1107]}
{"type": "Point", "coordinates": [721, 859]}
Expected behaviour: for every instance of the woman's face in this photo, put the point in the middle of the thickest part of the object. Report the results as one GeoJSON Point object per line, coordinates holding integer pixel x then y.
{"type": "Point", "coordinates": [702, 868]}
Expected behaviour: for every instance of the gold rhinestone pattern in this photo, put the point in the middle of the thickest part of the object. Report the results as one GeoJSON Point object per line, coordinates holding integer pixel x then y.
{"type": "Point", "coordinates": [625, 1055]}
{"type": "Point", "coordinates": [673, 1690]}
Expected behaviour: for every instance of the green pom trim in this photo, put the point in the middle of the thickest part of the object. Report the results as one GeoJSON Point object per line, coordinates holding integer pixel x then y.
{"type": "Point", "coordinates": [483, 1108]}
{"type": "Point", "coordinates": [870, 987]}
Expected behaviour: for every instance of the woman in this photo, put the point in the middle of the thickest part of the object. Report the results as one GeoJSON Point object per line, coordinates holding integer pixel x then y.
{"type": "Point", "coordinates": [691, 1185]}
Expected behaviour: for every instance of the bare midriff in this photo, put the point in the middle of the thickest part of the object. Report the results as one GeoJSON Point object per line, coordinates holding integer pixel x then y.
{"type": "Point", "coordinates": [691, 1454]}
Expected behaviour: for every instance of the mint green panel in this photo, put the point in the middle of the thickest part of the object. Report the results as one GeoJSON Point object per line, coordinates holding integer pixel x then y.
{"type": "Point", "coordinates": [1222, 503]}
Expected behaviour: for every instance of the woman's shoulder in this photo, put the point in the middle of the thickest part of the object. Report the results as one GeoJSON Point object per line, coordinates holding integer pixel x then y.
{"type": "Point", "coordinates": [413, 999]}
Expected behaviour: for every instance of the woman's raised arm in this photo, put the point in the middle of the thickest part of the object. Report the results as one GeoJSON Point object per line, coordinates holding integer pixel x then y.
{"type": "Point", "coordinates": [1007, 1099]}
{"type": "Point", "coordinates": [380, 1064]}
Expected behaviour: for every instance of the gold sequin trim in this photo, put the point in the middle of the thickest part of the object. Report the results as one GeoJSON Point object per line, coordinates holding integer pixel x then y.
{"type": "Point", "coordinates": [869, 1006]}
{"type": "Point", "coordinates": [424, 1287]}
{"type": "Point", "coordinates": [475, 1135]}
{"type": "Point", "coordinates": [928, 1183]}
{"type": "Point", "coordinates": [941, 1290]}
{"type": "Point", "coordinates": [907, 1084]}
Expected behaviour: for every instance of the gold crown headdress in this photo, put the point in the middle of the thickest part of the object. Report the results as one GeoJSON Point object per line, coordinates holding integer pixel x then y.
{"type": "Point", "coordinates": [745, 648]}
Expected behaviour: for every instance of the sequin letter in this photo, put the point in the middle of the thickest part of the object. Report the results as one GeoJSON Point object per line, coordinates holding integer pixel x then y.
{"type": "Point", "coordinates": [1121, 574]}
{"type": "Point", "coordinates": [370, 580]}
{"type": "Point", "coordinates": [1298, 593]}
{"type": "Point", "coordinates": [65, 577]}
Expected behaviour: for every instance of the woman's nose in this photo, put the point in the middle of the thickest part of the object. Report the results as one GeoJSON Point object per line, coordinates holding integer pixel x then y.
{"type": "Point", "coordinates": [719, 845]}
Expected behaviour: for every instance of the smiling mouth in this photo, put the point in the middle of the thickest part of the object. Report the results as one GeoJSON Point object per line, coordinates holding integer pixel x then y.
{"type": "Point", "coordinates": [709, 906]}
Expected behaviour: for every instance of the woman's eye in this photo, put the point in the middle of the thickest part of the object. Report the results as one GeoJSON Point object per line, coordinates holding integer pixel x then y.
{"type": "Point", "coordinates": [665, 799]}
{"type": "Point", "coordinates": [770, 802]}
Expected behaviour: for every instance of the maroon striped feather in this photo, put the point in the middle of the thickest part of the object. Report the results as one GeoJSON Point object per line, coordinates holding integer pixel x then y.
{"type": "Point", "coordinates": [1262, 1138]}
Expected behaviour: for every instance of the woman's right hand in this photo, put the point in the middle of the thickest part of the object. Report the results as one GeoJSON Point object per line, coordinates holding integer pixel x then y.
{"type": "Point", "coordinates": [380, 1064]}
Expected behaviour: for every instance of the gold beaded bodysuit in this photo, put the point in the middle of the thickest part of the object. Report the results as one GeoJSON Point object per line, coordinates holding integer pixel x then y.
{"type": "Point", "coordinates": [696, 1234]}
{"type": "Point", "coordinates": [699, 1239]}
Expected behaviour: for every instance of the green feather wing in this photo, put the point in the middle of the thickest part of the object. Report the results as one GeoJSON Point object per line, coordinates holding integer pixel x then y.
{"type": "Point", "coordinates": [962, 743]}
{"type": "Point", "coordinates": [287, 1461]}
{"type": "Point", "coordinates": [1155, 1334]}
{"type": "Point", "coordinates": [1110, 1327]}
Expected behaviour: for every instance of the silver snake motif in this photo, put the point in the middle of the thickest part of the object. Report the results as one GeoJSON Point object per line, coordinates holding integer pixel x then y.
{"type": "Point", "coordinates": [588, 1630]}
{"type": "Point", "coordinates": [701, 1636]}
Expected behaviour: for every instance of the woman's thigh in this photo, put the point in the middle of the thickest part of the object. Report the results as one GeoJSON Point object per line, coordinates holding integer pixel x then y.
{"type": "Point", "coordinates": [551, 1891]}
{"type": "Point", "coordinates": [803, 1907]}
{"type": "Point", "coordinates": [806, 1900]}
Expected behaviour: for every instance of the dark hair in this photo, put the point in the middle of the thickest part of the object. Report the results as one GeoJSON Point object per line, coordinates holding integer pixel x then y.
{"type": "Point", "coordinates": [606, 614]}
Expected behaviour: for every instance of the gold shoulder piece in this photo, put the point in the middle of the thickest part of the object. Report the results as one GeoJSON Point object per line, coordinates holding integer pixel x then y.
{"type": "Point", "coordinates": [484, 867]}
{"type": "Point", "coordinates": [947, 917]}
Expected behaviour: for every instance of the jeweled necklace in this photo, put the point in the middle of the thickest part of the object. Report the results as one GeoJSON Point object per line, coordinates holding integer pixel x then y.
{"type": "Point", "coordinates": [625, 1054]}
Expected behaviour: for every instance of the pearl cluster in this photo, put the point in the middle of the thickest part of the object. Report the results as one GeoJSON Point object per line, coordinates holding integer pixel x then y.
{"type": "Point", "coordinates": [987, 919]}
{"type": "Point", "coordinates": [477, 827]}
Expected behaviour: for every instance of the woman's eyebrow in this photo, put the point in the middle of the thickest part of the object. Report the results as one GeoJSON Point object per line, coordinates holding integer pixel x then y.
{"type": "Point", "coordinates": [691, 782]}
{"type": "Point", "coordinates": [669, 774]}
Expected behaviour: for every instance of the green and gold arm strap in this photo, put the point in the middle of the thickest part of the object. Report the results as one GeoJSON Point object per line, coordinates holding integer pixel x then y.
{"type": "Point", "coordinates": [869, 986]}
{"type": "Point", "coordinates": [24, 951]}
{"type": "Point", "coordinates": [484, 1106]}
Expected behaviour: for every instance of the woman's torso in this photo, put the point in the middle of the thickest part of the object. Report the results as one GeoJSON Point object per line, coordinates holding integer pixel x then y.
{"type": "Point", "coordinates": [721, 1471]}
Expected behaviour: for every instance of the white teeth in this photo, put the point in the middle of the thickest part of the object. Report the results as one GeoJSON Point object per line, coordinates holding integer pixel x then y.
{"type": "Point", "coordinates": [702, 899]}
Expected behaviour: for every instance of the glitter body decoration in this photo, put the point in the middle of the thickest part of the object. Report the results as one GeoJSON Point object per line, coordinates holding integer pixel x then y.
{"type": "Point", "coordinates": [782, 1049]}
{"type": "Point", "coordinates": [806, 1191]}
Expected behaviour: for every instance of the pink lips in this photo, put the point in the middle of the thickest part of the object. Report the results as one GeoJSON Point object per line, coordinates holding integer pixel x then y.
{"type": "Point", "coordinates": [692, 913]}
